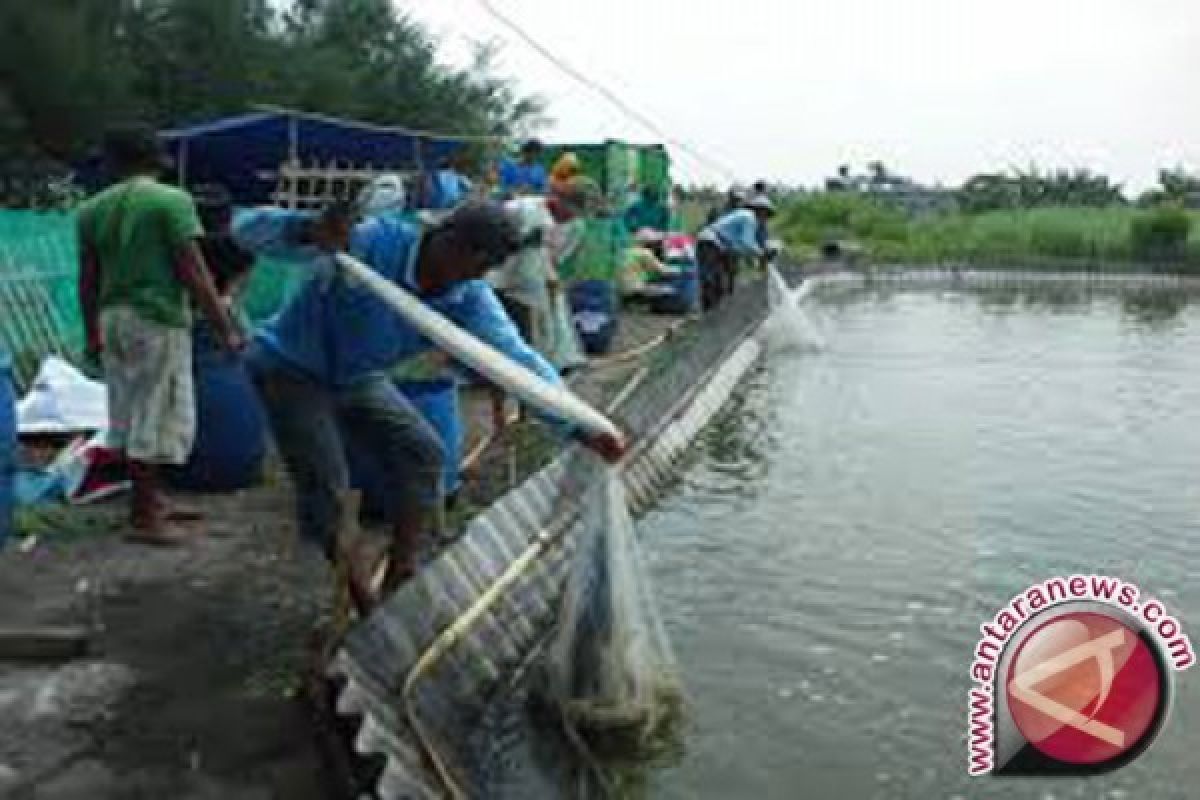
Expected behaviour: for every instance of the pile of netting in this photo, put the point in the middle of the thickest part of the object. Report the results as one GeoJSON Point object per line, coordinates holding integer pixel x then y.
{"type": "Point", "coordinates": [609, 669]}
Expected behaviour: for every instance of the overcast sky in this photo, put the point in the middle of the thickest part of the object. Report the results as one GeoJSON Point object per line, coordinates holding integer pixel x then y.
{"type": "Point", "coordinates": [937, 89]}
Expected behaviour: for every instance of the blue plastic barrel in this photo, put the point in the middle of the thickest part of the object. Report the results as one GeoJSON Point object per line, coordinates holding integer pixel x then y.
{"type": "Point", "coordinates": [437, 401]}
{"type": "Point", "coordinates": [685, 295]}
{"type": "Point", "coordinates": [8, 449]}
{"type": "Point", "coordinates": [594, 308]}
{"type": "Point", "coordinates": [231, 432]}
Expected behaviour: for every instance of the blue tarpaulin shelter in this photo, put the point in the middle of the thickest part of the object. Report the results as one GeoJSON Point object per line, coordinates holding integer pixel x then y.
{"type": "Point", "coordinates": [244, 152]}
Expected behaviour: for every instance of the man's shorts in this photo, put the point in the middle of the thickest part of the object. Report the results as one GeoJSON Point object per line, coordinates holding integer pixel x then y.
{"type": "Point", "coordinates": [151, 398]}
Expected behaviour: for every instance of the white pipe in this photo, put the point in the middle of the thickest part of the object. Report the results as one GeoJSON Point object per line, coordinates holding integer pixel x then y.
{"type": "Point", "coordinates": [481, 357]}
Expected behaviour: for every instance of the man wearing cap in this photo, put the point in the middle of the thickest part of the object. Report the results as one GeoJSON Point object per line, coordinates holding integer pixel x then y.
{"type": "Point", "coordinates": [321, 364]}
{"type": "Point", "coordinates": [141, 270]}
{"type": "Point", "coordinates": [733, 236]}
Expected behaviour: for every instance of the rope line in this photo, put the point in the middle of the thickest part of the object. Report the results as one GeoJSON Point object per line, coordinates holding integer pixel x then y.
{"type": "Point", "coordinates": [605, 92]}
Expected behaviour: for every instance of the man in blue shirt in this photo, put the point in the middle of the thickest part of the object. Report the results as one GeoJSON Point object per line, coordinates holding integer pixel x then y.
{"type": "Point", "coordinates": [733, 236]}
{"type": "Point", "coordinates": [526, 176]}
{"type": "Point", "coordinates": [320, 363]}
{"type": "Point", "coordinates": [445, 187]}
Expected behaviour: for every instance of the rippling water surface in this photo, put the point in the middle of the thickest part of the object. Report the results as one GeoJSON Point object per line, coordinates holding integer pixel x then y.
{"type": "Point", "coordinates": [839, 536]}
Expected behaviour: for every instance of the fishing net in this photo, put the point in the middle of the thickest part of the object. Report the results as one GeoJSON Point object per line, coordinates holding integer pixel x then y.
{"type": "Point", "coordinates": [39, 310]}
{"type": "Point", "coordinates": [39, 301]}
{"type": "Point", "coordinates": [609, 668]}
{"type": "Point", "coordinates": [508, 710]}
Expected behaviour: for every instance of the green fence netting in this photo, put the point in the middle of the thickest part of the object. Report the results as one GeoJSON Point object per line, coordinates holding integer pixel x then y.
{"type": "Point", "coordinates": [39, 301]}
{"type": "Point", "coordinates": [600, 252]}
{"type": "Point", "coordinates": [39, 310]}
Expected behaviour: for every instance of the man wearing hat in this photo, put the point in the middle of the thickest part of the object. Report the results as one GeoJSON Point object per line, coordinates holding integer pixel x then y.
{"type": "Point", "coordinates": [141, 271]}
{"type": "Point", "coordinates": [733, 236]}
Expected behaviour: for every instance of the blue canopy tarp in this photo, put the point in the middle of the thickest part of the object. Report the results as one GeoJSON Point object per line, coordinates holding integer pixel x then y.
{"type": "Point", "coordinates": [244, 152]}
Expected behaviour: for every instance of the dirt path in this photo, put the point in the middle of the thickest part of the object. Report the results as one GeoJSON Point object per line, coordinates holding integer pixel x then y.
{"type": "Point", "coordinates": [190, 691]}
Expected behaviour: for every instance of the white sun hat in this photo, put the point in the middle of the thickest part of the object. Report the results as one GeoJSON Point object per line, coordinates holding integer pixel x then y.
{"type": "Point", "coordinates": [385, 193]}
{"type": "Point", "coordinates": [761, 202]}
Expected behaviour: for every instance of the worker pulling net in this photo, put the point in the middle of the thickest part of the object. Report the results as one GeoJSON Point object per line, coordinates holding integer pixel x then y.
{"type": "Point", "coordinates": [610, 668]}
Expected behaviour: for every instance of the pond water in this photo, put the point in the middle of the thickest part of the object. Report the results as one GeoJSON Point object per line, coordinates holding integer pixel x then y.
{"type": "Point", "coordinates": [838, 536]}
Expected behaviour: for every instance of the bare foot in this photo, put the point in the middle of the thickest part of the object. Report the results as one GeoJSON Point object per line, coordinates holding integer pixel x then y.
{"type": "Point", "coordinates": [364, 561]}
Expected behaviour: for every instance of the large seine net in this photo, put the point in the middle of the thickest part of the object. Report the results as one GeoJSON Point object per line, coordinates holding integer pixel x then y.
{"type": "Point", "coordinates": [610, 669]}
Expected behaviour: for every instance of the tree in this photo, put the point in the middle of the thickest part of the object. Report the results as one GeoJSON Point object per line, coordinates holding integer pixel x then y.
{"type": "Point", "coordinates": [66, 65]}
{"type": "Point", "coordinates": [1175, 187]}
{"type": "Point", "coordinates": [1031, 188]}
{"type": "Point", "coordinates": [72, 67]}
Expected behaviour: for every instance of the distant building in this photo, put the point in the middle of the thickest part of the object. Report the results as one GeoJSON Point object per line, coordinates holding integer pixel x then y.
{"type": "Point", "coordinates": [893, 189]}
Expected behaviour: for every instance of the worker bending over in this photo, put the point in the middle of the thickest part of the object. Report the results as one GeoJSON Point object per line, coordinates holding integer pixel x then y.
{"type": "Point", "coordinates": [320, 364]}
{"type": "Point", "coordinates": [733, 236]}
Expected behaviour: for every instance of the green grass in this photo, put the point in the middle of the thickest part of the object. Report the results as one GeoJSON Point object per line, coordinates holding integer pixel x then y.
{"type": "Point", "coordinates": [1022, 238]}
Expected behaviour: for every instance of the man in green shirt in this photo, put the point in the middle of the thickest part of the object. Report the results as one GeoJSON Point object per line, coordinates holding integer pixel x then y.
{"type": "Point", "coordinates": [140, 271]}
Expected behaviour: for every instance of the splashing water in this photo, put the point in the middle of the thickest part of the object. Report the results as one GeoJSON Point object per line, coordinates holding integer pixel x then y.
{"type": "Point", "coordinates": [789, 328]}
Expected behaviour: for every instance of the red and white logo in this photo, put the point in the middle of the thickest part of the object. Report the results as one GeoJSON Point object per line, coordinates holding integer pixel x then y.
{"type": "Point", "coordinates": [1084, 688]}
{"type": "Point", "coordinates": [1073, 676]}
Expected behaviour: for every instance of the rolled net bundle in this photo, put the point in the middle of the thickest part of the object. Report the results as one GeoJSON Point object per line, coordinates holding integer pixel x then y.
{"type": "Point", "coordinates": [611, 672]}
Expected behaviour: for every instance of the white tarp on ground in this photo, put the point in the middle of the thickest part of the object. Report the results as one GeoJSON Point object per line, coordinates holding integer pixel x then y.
{"type": "Point", "coordinates": [62, 400]}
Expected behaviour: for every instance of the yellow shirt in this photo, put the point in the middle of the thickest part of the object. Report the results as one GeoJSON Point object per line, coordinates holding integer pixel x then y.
{"type": "Point", "coordinates": [640, 265]}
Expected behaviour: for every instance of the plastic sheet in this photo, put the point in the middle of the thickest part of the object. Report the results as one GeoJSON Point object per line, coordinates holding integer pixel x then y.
{"type": "Point", "coordinates": [62, 400]}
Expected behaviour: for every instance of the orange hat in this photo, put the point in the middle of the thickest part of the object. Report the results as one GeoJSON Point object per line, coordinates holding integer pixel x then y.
{"type": "Point", "coordinates": [566, 167]}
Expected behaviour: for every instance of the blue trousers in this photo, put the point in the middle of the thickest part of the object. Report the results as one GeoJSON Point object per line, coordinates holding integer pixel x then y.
{"type": "Point", "coordinates": [312, 424]}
